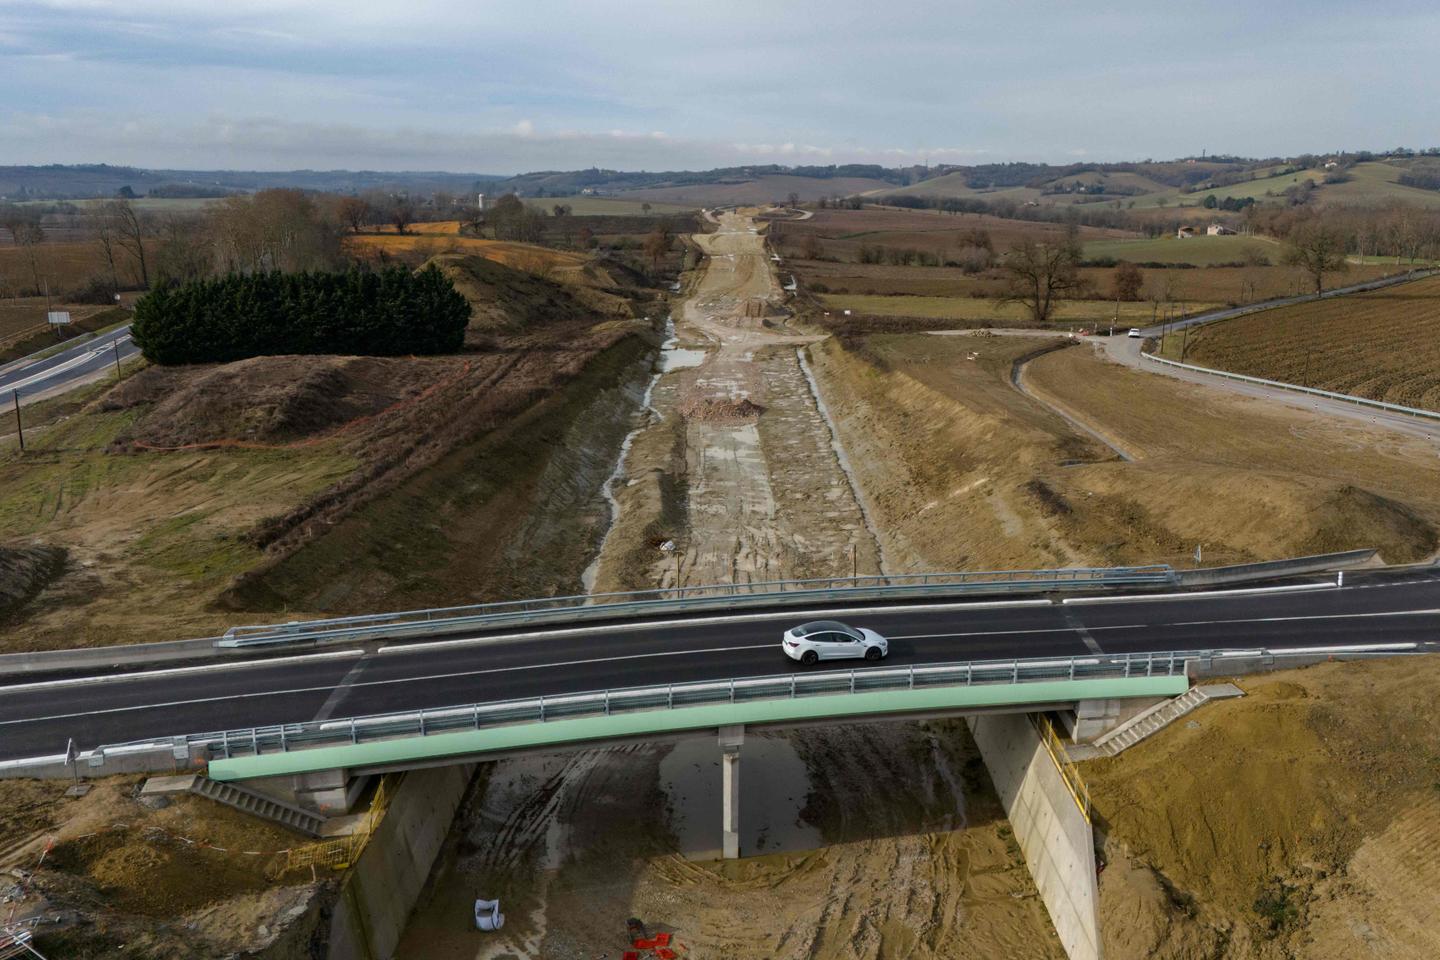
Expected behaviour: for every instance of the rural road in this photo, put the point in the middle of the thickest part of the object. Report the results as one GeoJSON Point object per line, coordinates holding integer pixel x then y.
{"type": "Point", "coordinates": [1127, 351]}
{"type": "Point", "coordinates": [36, 719]}
{"type": "Point", "coordinates": [37, 379]}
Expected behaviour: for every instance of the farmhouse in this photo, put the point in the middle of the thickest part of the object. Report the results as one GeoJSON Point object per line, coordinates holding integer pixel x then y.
{"type": "Point", "coordinates": [1219, 230]}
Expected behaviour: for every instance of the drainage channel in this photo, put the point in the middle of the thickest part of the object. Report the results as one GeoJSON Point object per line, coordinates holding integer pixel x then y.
{"type": "Point", "coordinates": [843, 460]}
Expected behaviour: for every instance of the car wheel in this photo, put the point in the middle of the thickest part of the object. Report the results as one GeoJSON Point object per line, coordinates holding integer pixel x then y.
{"type": "Point", "coordinates": [809, 658]}
{"type": "Point", "coordinates": [872, 653]}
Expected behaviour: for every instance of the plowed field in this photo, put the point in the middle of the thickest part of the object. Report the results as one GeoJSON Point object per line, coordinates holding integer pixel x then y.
{"type": "Point", "coordinates": [1383, 345]}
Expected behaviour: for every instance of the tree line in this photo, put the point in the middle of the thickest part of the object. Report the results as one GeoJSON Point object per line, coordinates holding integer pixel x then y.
{"type": "Point", "coordinates": [391, 312]}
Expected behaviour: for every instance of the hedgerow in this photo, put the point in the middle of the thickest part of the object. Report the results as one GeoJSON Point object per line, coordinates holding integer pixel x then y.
{"type": "Point", "coordinates": [375, 313]}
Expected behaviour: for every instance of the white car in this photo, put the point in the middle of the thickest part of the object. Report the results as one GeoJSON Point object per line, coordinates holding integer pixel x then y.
{"type": "Point", "coordinates": [1134, 331]}
{"type": "Point", "coordinates": [832, 640]}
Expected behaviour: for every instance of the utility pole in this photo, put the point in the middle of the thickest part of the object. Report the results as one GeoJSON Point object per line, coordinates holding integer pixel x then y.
{"type": "Point", "coordinates": [1184, 343]}
{"type": "Point", "coordinates": [19, 427]}
{"type": "Point", "coordinates": [116, 344]}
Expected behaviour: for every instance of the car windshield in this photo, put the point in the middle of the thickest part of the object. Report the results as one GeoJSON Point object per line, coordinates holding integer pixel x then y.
{"type": "Point", "coordinates": [827, 626]}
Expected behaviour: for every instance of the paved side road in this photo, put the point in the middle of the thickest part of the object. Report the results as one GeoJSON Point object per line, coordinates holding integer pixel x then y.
{"type": "Point", "coordinates": [37, 379]}
{"type": "Point", "coordinates": [1127, 351]}
{"type": "Point", "coordinates": [37, 719]}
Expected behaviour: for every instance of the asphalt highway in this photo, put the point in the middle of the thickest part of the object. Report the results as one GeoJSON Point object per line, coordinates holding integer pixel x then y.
{"type": "Point", "coordinates": [34, 379]}
{"type": "Point", "coordinates": [37, 719]}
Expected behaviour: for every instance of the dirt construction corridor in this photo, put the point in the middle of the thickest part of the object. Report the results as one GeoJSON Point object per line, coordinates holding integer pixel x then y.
{"type": "Point", "coordinates": [736, 463]}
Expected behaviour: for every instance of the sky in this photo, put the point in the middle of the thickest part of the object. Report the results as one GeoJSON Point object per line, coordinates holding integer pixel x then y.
{"type": "Point", "coordinates": [507, 87]}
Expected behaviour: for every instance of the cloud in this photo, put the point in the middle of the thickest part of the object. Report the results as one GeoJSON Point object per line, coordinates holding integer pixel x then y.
{"type": "Point", "coordinates": [497, 87]}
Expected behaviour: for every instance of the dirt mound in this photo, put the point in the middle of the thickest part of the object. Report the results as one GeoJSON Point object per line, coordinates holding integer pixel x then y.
{"type": "Point", "coordinates": [1323, 828]}
{"type": "Point", "coordinates": [505, 299]}
{"type": "Point", "coordinates": [24, 572]}
{"type": "Point", "coordinates": [714, 410]}
{"type": "Point", "coordinates": [265, 399]}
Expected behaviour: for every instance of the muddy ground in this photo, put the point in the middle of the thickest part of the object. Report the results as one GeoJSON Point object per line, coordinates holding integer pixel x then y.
{"type": "Point", "coordinates": [867, 841]}
{"type": "Point", "coordinates": [737, 465]}
{"type": "Point", "coordinates": [1299, 822]}
{"type": "Point", "coordinates": [918, 861]}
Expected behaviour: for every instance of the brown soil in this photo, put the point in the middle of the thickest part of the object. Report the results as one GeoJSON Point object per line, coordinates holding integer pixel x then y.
{"type": "Point", "coordinates": [25, 570]}
{"type": "Point", "coordinates": [913, 869]}
{"type": "Point", "coordinates": [1322, 842]}
{"type": "Point", "coordinates": [277, 454]}
{"type": "Point", "coordinates": [122, 876]}
{"type": "Point", "coordinates": [268, 400]}
{"type": "Point", "coordinates": [1381, 345]}
{"type": "Point", "coordinates": [968, 473]}
{"type": "Point", "coordinates": [737, 468]}
{"type": "Point", "coordinates": [711, 410]}
{"type": "Point", "coordinates": [1289, 483]}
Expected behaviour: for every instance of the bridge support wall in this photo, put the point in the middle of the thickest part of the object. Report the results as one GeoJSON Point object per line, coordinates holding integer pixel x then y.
{"type": "Point", "coordinates": [1054, 835]}
{"type": "Point", "coordinates": [731, 737]}
{"type": "Point", "coordinates": [381, 889]}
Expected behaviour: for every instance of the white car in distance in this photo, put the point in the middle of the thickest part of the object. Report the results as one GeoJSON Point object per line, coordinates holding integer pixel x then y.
{"type": "Point", "coordinates": [1135, 332]}
{"type": "Point", "coordinates": [832, 640]}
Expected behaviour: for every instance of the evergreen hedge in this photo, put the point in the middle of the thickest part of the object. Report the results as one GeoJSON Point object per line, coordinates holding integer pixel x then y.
{"type": "Point", "coordinates": [377, 313]}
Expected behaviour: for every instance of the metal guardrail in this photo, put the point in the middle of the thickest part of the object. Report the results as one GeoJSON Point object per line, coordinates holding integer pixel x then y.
{"type": "Point", "coordinates": [254, 741]}
{"type": "Point", "coordinates": [684, 599]}
{"type": "Point", "coordinates": [1296, 388]}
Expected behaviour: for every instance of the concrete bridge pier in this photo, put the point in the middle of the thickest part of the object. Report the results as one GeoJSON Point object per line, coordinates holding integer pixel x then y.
{"type": "Point", "coordinates": [731, 737]}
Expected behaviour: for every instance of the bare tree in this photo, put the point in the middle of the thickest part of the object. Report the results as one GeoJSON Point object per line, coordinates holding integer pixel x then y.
{"type": "Point", "coordinates": [109, 244]}
{"type": "Point", "coordinates": [354, 212]}
{"type": "Point", "coordinates": [130, 232]}
{"type": "Point", "coordinates": [1126, 281]}
{"type": "Point", "coordinates": [657, 244]}
{"type": "Point", "coordinates": [30, 235]}
{"type": "Point", "coordinates": [1317, 250]}
{"type": "Point", "coordinates": [794, 199]}
{"type": "Point", "coordinates": [1039, 274]}
{"type": "Point", "coordinates": [402, 212]}
{"type": "Point", "coordinates": [645, 208]}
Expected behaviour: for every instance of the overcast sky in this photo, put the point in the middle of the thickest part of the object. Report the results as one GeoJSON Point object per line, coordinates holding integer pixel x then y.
{"type": "Point", "coordinates": [504, 87]}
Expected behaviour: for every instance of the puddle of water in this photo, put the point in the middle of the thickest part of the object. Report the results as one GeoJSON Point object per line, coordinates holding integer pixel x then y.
{"type": "Point", "coordinates": [773, 787]}
{"type": "Point", "coordinates": [677, 358]}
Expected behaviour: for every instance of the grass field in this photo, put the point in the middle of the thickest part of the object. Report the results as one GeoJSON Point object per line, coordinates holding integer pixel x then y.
{"type": "Point", "coordinates": [1383, 345]}
{"type": "Point", "coordinates": [65, 265]}
{"type": "Point", "coordinates": [1201, 251]}
{"type": "Point", "coordinates": [991, 311]}
{"type": "Point", "coordinates": [608, 206]}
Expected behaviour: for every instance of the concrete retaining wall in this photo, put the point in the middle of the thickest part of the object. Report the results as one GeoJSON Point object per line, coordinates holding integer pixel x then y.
{"type": "Point", "coordinates": [1053, 834]}
{"type": "Point", "coordinates": [380, 890]}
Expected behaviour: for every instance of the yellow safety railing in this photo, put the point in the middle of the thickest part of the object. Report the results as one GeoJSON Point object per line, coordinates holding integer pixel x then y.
{"type": "Point", "coordinates": [337, 854]}
{"type": "Point", "coordinates": [1069, 773]}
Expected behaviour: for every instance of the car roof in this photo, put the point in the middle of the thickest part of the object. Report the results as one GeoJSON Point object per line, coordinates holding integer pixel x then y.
{"type": "Point", "coordinates": [825, 626]}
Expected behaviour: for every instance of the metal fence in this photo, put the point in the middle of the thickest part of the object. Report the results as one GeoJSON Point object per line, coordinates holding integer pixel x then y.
{"type": "Point", "coordinates": [605, 606]}
{"type": "Point", "coordinates": [253, 741]}
{"type": "Point", "coordinates": [1296, 388]}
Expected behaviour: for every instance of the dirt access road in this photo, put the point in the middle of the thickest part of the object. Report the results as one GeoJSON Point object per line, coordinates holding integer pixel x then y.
{"type": "Point", "coordinates": [737, 463]}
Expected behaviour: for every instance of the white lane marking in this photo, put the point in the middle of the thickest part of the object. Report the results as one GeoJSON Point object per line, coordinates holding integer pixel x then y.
{"type": "Point", "coordinates": [1312, 616]}
{"type": "Point", "coordinates": [327, 709]}
{"type": "Point", "coordinates": [179, 671]}
{"type": "Point", "coordinates": [63, 367]}
{"type": "Point", "coordinates": [1207, 595]}
{"type": "Point", "coordinates": [1176, 623]}
{"type": "Point", "coordinates": [395, 680]}
{"type": "Point", "coordinates": [401, 648]}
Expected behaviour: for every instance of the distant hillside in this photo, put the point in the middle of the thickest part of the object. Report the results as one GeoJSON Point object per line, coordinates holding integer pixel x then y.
{"type": "Point", "coordinates": [566, 183]}
{"type": "Point", "coordinates": [59, 182]}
